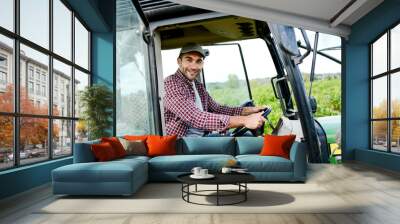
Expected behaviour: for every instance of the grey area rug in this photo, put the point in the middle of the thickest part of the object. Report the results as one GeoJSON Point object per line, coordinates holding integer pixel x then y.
{"type": "Point", "coordinates": [166, 198]}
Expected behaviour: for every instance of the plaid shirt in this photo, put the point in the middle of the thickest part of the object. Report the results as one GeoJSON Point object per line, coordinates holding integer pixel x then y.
{"type": "Point", "coordinates": [180, 109]}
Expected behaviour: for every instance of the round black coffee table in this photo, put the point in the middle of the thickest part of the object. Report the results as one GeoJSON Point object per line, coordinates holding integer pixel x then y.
{"type": "Point", "coordinates": [238, 179]}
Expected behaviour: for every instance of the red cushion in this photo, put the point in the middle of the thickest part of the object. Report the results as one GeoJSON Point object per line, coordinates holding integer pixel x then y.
{"type": "Point", "coordinates": [103, 151]}
{"type": "Point", "coordinates": [135, 137]}
{"type": "Point", "coordinates": [277, 145]}
{"type": "Point", "coordinates": [161, 145]}
{"type": "Point", "coordinates": [116, 145]}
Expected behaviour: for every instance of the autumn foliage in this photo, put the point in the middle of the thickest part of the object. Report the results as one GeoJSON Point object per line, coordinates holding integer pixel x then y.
{"type": "Point", "coordinates": [33, 130]}
{"type": "Point", "coordinates": [380, 127]}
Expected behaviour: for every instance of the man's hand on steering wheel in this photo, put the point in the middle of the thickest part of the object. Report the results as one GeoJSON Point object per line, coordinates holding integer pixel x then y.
{"type": "Point", "coordinates": [251, 110]}
{"type": "Point", "coordinates": [254, 121]}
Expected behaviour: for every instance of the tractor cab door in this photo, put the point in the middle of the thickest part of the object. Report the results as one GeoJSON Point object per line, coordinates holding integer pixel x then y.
{"type": "Point", "coordinates": [289, 87]}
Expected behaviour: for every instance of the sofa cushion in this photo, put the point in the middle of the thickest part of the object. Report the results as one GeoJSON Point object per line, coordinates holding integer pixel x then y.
{"type": "Point", "coordinates": [83, 152]}
{"type": "Point", "coordinates": [132, 158]}
{"type": "Point", "coordinates": [249, 145]}
{"type": "Point", "coordinates": [116, 145]}
{"type": "Point", "coordinates": [161, 145]}
{"type": "Point", "coordinates": [135, 137]}
{"type": "Point", "coordinates": [134, 147]}
{"type": "Point", "coordinates": [185, 163]}
{"type": "Point", "coordinates": [207, 145]}
{"type": "Point", "coordinates": [103, 151]}
{"type": "Point", "coordinates": [111, 171]}
{"type": "Point", "coordinates": [257, 163]}
{"type": "Point", "coordinates": [275, 145]}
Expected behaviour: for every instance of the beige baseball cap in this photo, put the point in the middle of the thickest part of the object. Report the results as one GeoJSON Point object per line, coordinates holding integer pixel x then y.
{"type": "Point", "coordinates": [193, 47]}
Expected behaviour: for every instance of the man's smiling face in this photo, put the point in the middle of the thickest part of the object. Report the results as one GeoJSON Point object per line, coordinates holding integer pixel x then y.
{"type": "Point", "coordinates": [190, 64]}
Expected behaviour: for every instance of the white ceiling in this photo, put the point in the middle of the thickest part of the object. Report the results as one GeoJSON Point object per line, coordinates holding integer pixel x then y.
{"type": "Point", "coordinates": [318, 15]}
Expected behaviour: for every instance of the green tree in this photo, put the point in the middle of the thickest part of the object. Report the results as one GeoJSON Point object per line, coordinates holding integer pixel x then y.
{"type": "Point", "coordinates": [97, 103]}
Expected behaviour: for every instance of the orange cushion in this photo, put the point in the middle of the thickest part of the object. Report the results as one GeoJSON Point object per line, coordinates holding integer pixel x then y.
{"type": "Point", "coordinates": [103, 151]}
{"type": "Point", "coordinates": [277, 145]}
{"type": "Point", "coordinates": [135, 137]}
{"type": "Point", "coordinates": [161, 145]}
{"type": "Point", "coordinates": [116, 145]}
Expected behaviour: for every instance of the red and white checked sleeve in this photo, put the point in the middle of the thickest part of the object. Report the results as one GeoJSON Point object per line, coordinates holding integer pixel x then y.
{"type": "Point", "coordinates": [183, 106]}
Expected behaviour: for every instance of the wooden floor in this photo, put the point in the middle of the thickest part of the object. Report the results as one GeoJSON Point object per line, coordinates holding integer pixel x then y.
{"type": "Point", "coordinates": [377, 188]}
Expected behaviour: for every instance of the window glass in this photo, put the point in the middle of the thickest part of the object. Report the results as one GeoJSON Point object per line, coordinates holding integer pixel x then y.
{"type": "Point", "coordinates": [395, 136]}
{"type": "Point", "coordinates": [81, 131]}
{"type": "Point", "coordinates": [224, 75]}
{"type": "Point", "coordinates": [379, 98]}
{"type": "Point", "coordinates": [34, 21]}
{"type": "Point", "coordinates": [379, 55]}
{"type": "Point", "coordinates": [379, 135]}
{"type": "Point", "coordinates": [395, 47]}
{"type": "Point", "coordinates": [62, 29]}
{"type": "Point", "coordinates": [81, 82]}
{"type": "Point", "coordinates": [6, 75]}
{"type": "Point", "coordinates": [7, 14]}
{"type": "Point", "coordinates": [62, 89]}
{"type": "Point", "coordinates": [395, 95]}
{"type": "Point", "coordinates": [34, 144]}
{"type": "Point", "coordinates": [62, 138]}
{"type": "Point", "coordinates": [132, 78]}
{"type": "Point", "coordinates": [39, 62]}
{"type": "Point", "coordinates": [81, 45]}
{"type": "Point", "coordinates": [6, 142]}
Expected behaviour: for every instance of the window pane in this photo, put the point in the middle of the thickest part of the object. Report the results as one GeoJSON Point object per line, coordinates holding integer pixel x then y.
{"type": "Point", "coordinates": [229, 87]}
{"type": "Point", "coordinates": [379, 98]}
{"type": "Point", "coordinates": [35, 21]}
{"type": "Point", "coordinates": [379, 135]}
{"type": "Point", "coordinates": [62, 29]}
{"type": "Point", "coordinates": [7, 14]}
{"type": "Point", "coordinates": [33, 139]}
{"type": "Point", "coordinates": [395, 47]}
{"type": "Point", "coordinates": [395, 94]}
{"type": "Point", "coordinates": [395, 136]}
{"type": "Point", "coordinates": [62, 89]}
{"type": "Point", "coordinates": [6, 74]}
{"type": "Point", "coordinates": [6, 142]}
{"type": "Point", "coordinates": [81, 45]}
{"type": "Point", "coordinates": [379, 55]}
{"type": "Point", "coordinates": [81, 131]}
{"type": "Point", "coordinates": [81, 81]}
{"type": "Point", "coordinates": [34, 72]}
{"type": "Point", "coordinates": [62, 138]}
{"type": "Point", "coordinates": [133, 78]}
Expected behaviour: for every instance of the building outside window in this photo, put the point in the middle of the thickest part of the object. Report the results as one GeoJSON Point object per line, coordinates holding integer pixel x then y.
{"type": "Point", "coordinates": [30, 72]}
{"type": "Point", "coordinates": [34, 75]}
{"type": "Point", "coordinates": [385, 97]}
{"type": "Point", "coordinates": [3, 78]}
{"type": "Point", "coordinates": [37, 74]}
{"type": "Point", "coordinates": [30, 87]}
{"type": "Point", "coordinates": [3, 72]}
{"type": "Point", "coordinates": [44, 77]}
{"type": "Point", "coordinates": [43, 90]}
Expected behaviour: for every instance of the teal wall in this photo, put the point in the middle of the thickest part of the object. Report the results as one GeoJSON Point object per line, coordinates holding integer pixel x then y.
{"type": "Point", "coordinates": [24, 178]}
{"type": "Point", "coordinates": [356, 86]}
{"type": "Point", "coordinates": [99, 16]}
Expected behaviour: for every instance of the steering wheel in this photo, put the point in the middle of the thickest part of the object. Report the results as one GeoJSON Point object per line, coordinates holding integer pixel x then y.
{"type": "Point", "coordinates": [256, 132]}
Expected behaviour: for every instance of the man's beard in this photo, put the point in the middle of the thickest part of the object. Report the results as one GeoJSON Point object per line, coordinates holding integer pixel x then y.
{"type": "Point", "coordinates": [190, 75]}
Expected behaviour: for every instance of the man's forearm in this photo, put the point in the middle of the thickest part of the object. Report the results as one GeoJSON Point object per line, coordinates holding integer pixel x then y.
{"type": "Point", "coordinates": [236, 121]}
{"type": "Point", "coordinates": [251, 110]}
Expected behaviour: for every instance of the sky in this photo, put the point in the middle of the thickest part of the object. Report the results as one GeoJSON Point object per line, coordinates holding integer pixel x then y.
{"type": "Point", "coordinates": [35, 27]}
{"type": "Point", "coordinates": [224, 60]}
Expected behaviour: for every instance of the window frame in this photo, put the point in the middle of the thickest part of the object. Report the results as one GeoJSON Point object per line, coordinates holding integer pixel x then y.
{"type": "Point", "coordinates": [16, 115]}
{"type": "Point", "coordinates": [388, 74]}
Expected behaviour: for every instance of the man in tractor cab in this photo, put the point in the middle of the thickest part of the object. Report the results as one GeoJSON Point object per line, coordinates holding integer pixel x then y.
{"type": "Point", "coordinates": [188, 108]}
